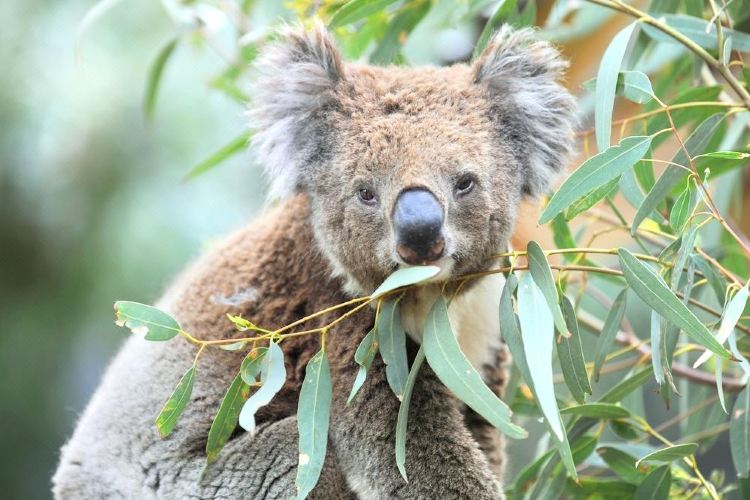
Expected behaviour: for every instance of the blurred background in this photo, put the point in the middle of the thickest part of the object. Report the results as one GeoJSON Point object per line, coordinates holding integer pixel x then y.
{"type": "Point", "coordinates": [94, 205]}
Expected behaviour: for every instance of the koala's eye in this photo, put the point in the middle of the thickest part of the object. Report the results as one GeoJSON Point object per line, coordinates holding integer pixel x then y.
{"type": "Point", "coordinates": [367, 196]}
{"type": "Point", "coordinates": [464, 185]}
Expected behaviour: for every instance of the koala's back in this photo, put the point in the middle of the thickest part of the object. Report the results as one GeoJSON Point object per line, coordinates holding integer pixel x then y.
{"type": "Point", "coordinates": [269, 272]}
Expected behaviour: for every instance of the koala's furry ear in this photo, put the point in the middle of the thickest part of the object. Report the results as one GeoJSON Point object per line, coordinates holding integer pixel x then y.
{"type": "Point", "coordinates": [297, 76]}
{"type": "Point", "coordinates": [531, 108]}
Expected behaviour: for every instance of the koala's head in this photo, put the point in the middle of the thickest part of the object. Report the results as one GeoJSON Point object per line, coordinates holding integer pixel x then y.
{"type": "Point", "coordinates": [411, 166]}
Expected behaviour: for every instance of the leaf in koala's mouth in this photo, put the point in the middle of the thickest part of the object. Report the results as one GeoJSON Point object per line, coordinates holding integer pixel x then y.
{"type": "Point", "coordinates": [405, 277]}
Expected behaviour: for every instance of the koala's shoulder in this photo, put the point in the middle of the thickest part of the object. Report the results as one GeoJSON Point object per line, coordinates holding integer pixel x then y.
{"type": "Point", "coordinates": [270, 272]}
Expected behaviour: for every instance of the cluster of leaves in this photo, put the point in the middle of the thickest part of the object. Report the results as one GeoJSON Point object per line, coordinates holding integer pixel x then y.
{"type": "Point", "coordinates": [682, 64]}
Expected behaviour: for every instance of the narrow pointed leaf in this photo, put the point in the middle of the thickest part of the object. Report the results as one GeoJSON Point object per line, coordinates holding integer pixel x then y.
{"type": "Point", "coordinates": [695, 144]}
{"type": "Point", "coordinates": [739, 433]}
{"type": "Point", "coordinates": [699, 31]}
{"type": "Point", "coordinates": [683, 254]}
{"type": "Point", "coordinates": [652, 289]}
{"type": "Point", "coordinates": [141, 319]}
{"type": "Point", "coordinates": [272, 378]}
{"type": "Point", "coordinates": [363, 356]}
{"type": "Point", "coordinates": [176, 403]}
{"type": "Point", "coordinates": [729, 320]}
{"type": "Point", "coordinates": [542, 274]}
{"type": "Point", "coordinates": [595, 172]}
{"type": "Point", "coordinates": [635, 86]}
{"type": "Point", "coordinates": [597, 410]}
{"type": "Point", "coordinates": [313, 413]}
{"type": "Point", "coordinates": [656, 341]}
{"type": "Point", "coordinates": [392, 346]}
{"type": "Point", "coordinates": [511, 330]}
{"type": "Point", "coordinates": [356, 10]}
{"type": "Point", "coordinates": [234, 346]}
{"type": "Point", "coordinates": [226, 418]}
{"type": "Point", "coordinates": [456, 372]}
{"type": "Point", "coordinates": [681, 210]}
{"type": "Point", "coordinates": [154, 76]}
{"type": "Point", "coordinates": [670, 453]}
{"type": "Point", "coordinates": [592, 198]}
{"type": "Point", "coordinates": [719, 375]}
{"type": "Point", "coordinates": [609, 331]}
{"type": "Point", "coordinates": [405, 277]}
{"type": "Point", "coordinates": [235, 146]}
{"type": "Point", "coordinates": [403, 413]}
{"type": "Point", "coordinates": [627, 386]}
{"type": "Point", "coordinates": [606, 85]}
{"type": "Point", "coordinates": [655, 486]}
{"type": "Point", "coordinates": [570, 354]}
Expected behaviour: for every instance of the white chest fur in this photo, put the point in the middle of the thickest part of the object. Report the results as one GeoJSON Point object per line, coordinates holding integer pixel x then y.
{"type": "Point", "coordinates": [473, 315]}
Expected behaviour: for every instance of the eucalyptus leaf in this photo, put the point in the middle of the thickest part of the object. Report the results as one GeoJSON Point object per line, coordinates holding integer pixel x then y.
{"type": "Point", "coordinates": [739, 433]}
{"type": "Point", "coordinates": [252, 365]}
{"type": "Point", "coordinates": [363, 356]}
{"type": "Point", "coordinates": [403, 413]}
{"type": "Point", "coordinates": [597, 410]}
{"type": "Point", "coordinates": [621, 463]}
{"type": "Point", "coordinates": [155, 74]}
{"type": "Point", "coordinates": [681, 210]}
{"type": "Point", "coordinates": [700, 31]}
{"type": "Point", "coordinates": [313, 413]}
{"type": "Point", "coordinates": [595, 172]}
{"type": "Point", "coordinates": [542, 274]}
{"type": "Point", "coordinates": [609, 331]}
{"type": "Point", "coordinates": [456, 372]}
{"type": "Point", "coordinates": [729, 320]}
{"type": "Point", "coordinates": [404, 277]}
{"type": "Point", "coordinates": [141, 319]}
{"type": "Point", "coordinates": [669, 453]}
{"type": "Point", "coordinates": [606, 85]}
{"type": "Point", "coordinates": [650, 287]}
{"type": "Point", "coordinates": [570, 354]}
{"type": "Point", "coordinates": [593, 197]}
{"type": "Point", "coordinates": [392, 346]}
{"type": "Point", "coordinates": [235, 146]}
{"type": "Point", "coordinates": [272, 378]}
{"type": "Point", "coordinates": [355, 10]}
{"type": "Point", "coordinates": [176, 403]}
{"type": "Point", "coordinates": [226, 418]}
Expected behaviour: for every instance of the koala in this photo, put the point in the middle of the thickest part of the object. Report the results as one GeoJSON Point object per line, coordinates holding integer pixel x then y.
{"type": "Point", "coordinates": [377, 168]}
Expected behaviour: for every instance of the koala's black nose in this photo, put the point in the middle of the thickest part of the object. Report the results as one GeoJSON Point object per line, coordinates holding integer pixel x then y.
{"type": "Point", "coordinates": [418, 221]}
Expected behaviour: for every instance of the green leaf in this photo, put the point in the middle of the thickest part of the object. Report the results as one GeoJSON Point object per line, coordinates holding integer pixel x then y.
{"type": "Point", "coordinates": [234, 346]}
{"type": "Point", "coordinates": [695, 144]}
{"type": "Point", "coordinates": [650, 287]}
{"type": "Point", "coordinates": [363, 356]}
{"type": "Point", "coordinates": [154, 323]}
{"type": "Point", "coordinates": [739, 433]}
{"type": "Point", "coordinates": [731, 316]}
{"type": "Point", "coordinates": [715, 280]}
{"type": "Point", "coordinates": [606, 86]}
{"type": "Point", "coordinates": [725, 155]}
{"type": "Point", "coordinates": [609, 331]}
{"type": "Point", "coordinates": [538, 334]}
{"type": "Point", "coordinates": [226, 418]}
{"type": "Point", "coordinates": [670, 453]}
{"type": "Point", "coordinates": [595, 172]}
{"type": "Point", "coordinates": [597, 410]}
{"type": "Point", "coordinates": [655, 486]}
{"type": "Point", "coordinates": [570, 354]}
{"type": "Point", "coordinates": [683, 254]}
{"type": "Point", "coordinates": [542, 274]}
{"type": "Point", "coordinates": [272, 378]}
{"type": "Point", "coordinates": [681, 210]}
{"type": "Point", "coordinates": [392, 346]}
{"type": "Point", "coordinates": [237, 145]}
{"type": "Point", "coordinates": [698, 30]}
{"type": "Point", "coordinates": [611, 489]}
{"type": "Point", "coordinates": [621, 463]}
{"type": "Point", "coordinates": [355, 10]}
{"type": "Point", "coordinates": [313, 412]}
{"type": "Point", "coordinates": [511, 330]}
{"type": "Point", "coordinates": [154, 76]}
{"type": "Point", "coordinates": [92, 15]}
{"type": "Point", "coordinates": [635, 86]}
{"type": "Point", "coordinates": [176, 403]}
{"type": "Point", "coordinates": [403, 413]}
{"type": "Point", "coordinates": [618, 392]}
{"type": "Point", "coordinates": [591, 198]}
{"type": "Point", "coordinates": [398, 29]}
{"type": "Point", "coordinates": [656, 343]}
{"type": "Point", "coordinates": [252, 365]}
{"type": "Point", "coordinates": [405, 277]}
{"type": "Point", "coordinates": [623, 429]}
{"type": "Point", "coordinates": [455, 371]}
{"type": "Point", "coordinates": [505, 12]}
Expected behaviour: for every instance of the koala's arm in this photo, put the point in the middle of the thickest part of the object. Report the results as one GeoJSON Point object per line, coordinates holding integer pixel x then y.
{"type": "Point", "coordinates": [116, 451]}
{"type": "Point", "coordinates": [442, 459]}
